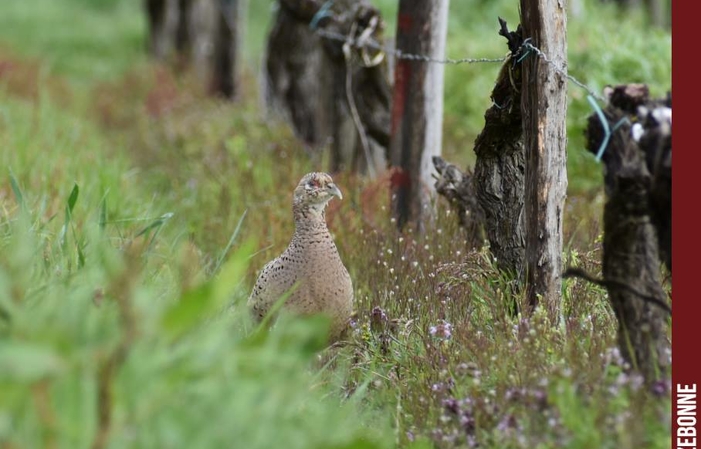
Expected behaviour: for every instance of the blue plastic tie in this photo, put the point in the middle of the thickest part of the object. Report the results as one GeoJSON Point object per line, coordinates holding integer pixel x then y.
{"type": "Point", "coordinates": [527, 45]}
{"type": "Point", "coordinates": [320, 14]}
{"type": "Point", "coordinates": [523, 56]}
{"type": "Point", "coordinates": [605, 124]}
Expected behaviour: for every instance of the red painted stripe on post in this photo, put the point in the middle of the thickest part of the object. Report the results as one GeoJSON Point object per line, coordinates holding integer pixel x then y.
{"type": "Point", "coordinates": [404, 22]}
{"type": "Point", "coordinates": [402, 72]}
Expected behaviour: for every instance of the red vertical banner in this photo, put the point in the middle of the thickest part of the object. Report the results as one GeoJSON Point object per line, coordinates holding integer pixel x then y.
{"type": "Point", "coordinates": [686, 246]}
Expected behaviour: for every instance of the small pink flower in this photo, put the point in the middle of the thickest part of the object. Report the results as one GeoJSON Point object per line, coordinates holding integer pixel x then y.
{"type": "Point", "coordinates": [442, 330]}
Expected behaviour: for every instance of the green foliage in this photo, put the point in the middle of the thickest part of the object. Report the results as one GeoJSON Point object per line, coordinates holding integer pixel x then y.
{"type": "Point", "coordinates": [88, 39]}
{"type": "Point", "coordinates": [190, 376]}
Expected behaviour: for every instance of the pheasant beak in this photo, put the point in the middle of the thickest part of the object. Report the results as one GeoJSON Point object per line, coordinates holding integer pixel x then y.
{"type": "Point", "coordinates": [334, 191]}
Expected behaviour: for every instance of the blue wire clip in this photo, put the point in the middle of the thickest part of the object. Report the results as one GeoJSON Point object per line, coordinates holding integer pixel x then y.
{"type": "Point", "coordinates": [605, 124]}
{"type": "Point", "coordinates": [320, 14]}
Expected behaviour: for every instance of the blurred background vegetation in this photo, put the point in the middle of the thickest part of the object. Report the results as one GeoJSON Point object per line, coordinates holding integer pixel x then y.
{"type": "Point", "coordinates": [135, 211]}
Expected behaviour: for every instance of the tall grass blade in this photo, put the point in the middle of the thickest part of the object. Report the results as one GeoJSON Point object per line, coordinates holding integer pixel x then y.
{"type": "Point", "coordinates": [155, 226]}
{"type": "Point", "coordinates": [70, 204]}
{"type": "Point", "coordinates": [17, 190]}
{"type": "Point", "coordinates": [72, 198]}
{"type": "Point", "coordinates": [103, 212]}
{"type": "Point", "coordinates": [230, 244]}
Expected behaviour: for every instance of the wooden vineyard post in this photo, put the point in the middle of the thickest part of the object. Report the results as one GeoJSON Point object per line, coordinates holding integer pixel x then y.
{"type": "Point", "coordinates": [227, 42]}
{"type": "Point", "coordinates": [544, 107]}
{"type": "Point", "coordinates": [417, 110]}
{"type": "Point", "coordinates": [633, 138]}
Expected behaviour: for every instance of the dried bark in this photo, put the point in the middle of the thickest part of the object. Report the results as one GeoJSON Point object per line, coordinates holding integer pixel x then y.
{"type": "Point", "coordinates": [501, 164]}
{"type": "Point", "coordinates": [491, 201]}
{"type": "Point", "coordinates": [458, 188]}
{"type": "Point", "coordinates": [656, 143]}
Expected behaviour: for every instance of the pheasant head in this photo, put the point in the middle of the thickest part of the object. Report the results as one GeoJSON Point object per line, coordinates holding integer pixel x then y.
{"type": "Point", "coordinates": [313, 193]}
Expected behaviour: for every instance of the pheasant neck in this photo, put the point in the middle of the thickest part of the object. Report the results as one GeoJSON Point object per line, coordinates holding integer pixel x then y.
{"type": "Point", "coordinates": [309, 217]}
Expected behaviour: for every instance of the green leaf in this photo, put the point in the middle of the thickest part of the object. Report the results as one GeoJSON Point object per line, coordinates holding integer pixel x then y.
{"type": "Point", "coordinates": [5, 314]}
{"type": "Point", "coordinates": [81, 255]}
{"type": "Point", "coordinates": [233, 270]}
{"type": "Point", "coordinates": [188, 309]}
{"type": "Point", "coordinates": [27, 362]}
{"type": "Point", "coordinates": [305, 335]}
{"type": "Point", "coordinates": [16, 189]}
{"type": "Point", "coordinates": [70, 205]}
{"type": "Point", "coordinates": [72, 198]}
{"type": "Point", "coordinates": [198, 303]}
{"type": "Point", "coordinates": [261, 333]}
{"type": "Point", "coordinates": [357, 443]}
{"type": "Point", "coordinates": [103, 211]}
{"type": "Point", "coordinates": [157, 223]}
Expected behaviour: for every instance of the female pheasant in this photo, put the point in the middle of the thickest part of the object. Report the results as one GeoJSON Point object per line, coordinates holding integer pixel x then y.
{"type": "Point", "coordinates": [310, 268]}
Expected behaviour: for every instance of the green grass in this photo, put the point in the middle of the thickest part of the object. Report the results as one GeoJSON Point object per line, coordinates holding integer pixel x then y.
{"type": "Point", "coordinates": [84, 40]}
{"type": "Point", "coordinates": [134, 214]}
{"type": "Point", "coordinates": [88, 267]}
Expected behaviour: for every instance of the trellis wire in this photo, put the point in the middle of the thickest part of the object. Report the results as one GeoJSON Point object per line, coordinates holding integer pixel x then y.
{"type": "Point", "coordinates": [527, 46]}
{"type": "Point", "coordinates": [400, 54]}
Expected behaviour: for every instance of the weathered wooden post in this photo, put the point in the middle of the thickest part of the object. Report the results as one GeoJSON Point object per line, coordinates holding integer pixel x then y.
{"type": "Point", "coordinates": [500, 165]}
{"type": "Point", "coordinates": [493, 197]}
{"type": "Point", "coordinates": [183, 34]}
{"type": "Point", "coordinates": [360, 92]}
{"type": "Point", "coordinates": [160, 27]}
{"type": "Point", "coordinates": [633, 137]}
{"type": "Point", "coordinates": [327, 75]}
{"type": "Point", "coordinates": [417, 110]}
{"type": "Point", "coordinates": [204, 34]}
{"type": "Point", "coordinates": [659, 12]}
{"type": "Point", "coordinates": [295, 78]}
{"type": "Point", "coordinates": [169, 23]}
{"type": "Point", "coordinates": [227, 39]}
{"type": "Point", "coordinates": [544, 107]}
